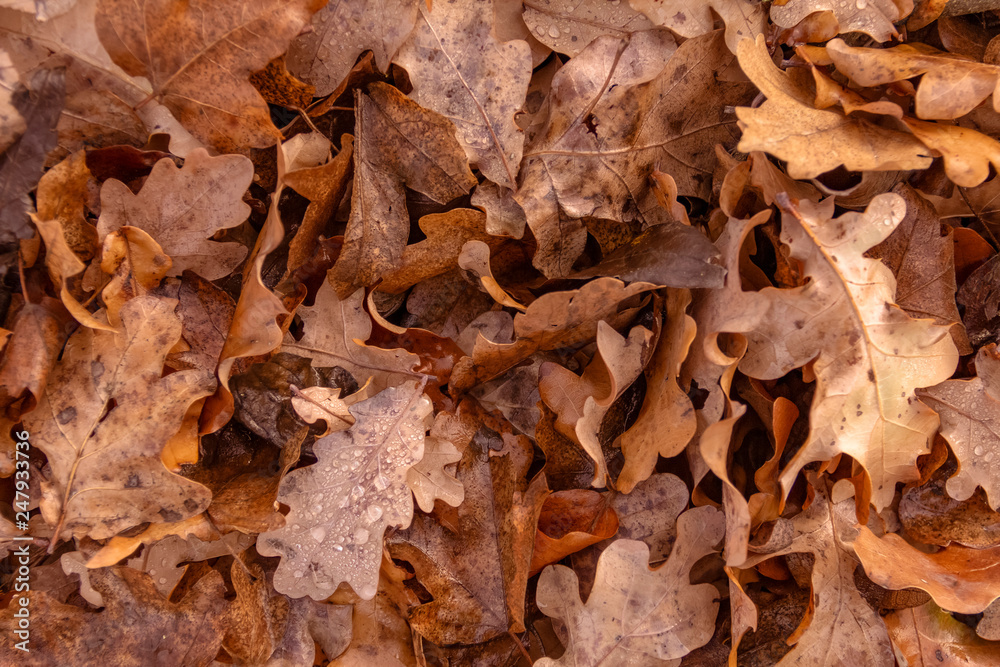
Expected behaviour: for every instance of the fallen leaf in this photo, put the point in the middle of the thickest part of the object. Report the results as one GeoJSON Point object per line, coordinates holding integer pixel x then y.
{"type": "Point", "coordinates": [341, 31]}
{"type": "Point", "coordinates": [950, 86]}
{"type": "Point", "coordinates": [570, 521]}
{"type": "Point", "coordinates": [811, 140]}
{"type": "Point", "coordinates": [867, 369]}
{"type": "Point", "coordinates": [927, 634]}
{"type": "Point", "coordinates": [257, 618]}
{"type": "Point", "coordinates": [347, 499]}
{"type": "Point", "coordinates": [397, 143]}
{"type": "Point", "coordinates": [11, 121]}
{"type": "Point", "coordinates": [480, 85]}
{"type": "Point", "coordinates": [198, 59]}
{"type": "Point", "coordinates": [433, 478]}
{"type": "Point", "coordinates": [182, 208]}
{"type": "Point", "coordinates": [568, 26]}
{"type": "Point", "coordinates": [742, 17]}
{"type": "Point", "coordinates": [875, 18]}
{"type": "Point", "coordinates": [959, 579]}
{"type": "Point", "coordinates": [498, 517]}
{"type": "Point", "coordinates": [634, 612]}
{"type": "Point", "coordinates": [72, 423]}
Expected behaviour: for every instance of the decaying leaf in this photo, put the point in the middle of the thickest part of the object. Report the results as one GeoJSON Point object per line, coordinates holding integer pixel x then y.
{"type": "Point", "coordinates": [874, 17]}
{"type": "Point", "coordinates": [342, 504]}
{"type": "Point", "coordinates": [743, 18]}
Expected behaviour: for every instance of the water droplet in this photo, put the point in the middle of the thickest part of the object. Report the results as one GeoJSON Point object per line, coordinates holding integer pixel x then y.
{"type": "Point", "coordinates": [616, 2]}
{"type": "Point", "coordinates": [862, 4]}
{"type": "Point", "coordinates": [337, 547]}
{"type": "Point", "coordinates": [318, 533]}
{"type": "Point", "coordinates": [296, 527]}
{"type": "Point", "coordinates": [361, 536]}
{"type": "Point", "coordinates": [374, 512]}
{"type": "Point", "coordinates": [357, 493]}
{"type": "Point", "coordinates": [979, 451]}
{"type": "Point", "coordinates": [299, 574]}
{"type": "Point", "coordinates": [367, 592]}
{"type": "Point", "coordinates": [553, 32]}
{"type": "Point", "coordinates": [162, 580]}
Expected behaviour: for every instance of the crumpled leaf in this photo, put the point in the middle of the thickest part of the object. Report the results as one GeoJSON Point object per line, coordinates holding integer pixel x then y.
{"type": "Point", "coordinates": [472, 78]}
{"type": "Point", "coordinates": [335, 335]}
{"type": "Point", "coordinates": [950, 86]}
{"type": "Point", "coordinates": [198, 57]}
{"type": "Point", "coordinates": [870, 356]}
{"type": "Point", "coordinates": [131, 629]}
{"type": "Point", "coordinates": [872, 17]}
{"type": "Point", "coordinates": [342, 504]}
{"type": "Point", "coordinates": [970, 421]}
{"type": "Point", "coordinates": [397, 143]}
{"type": "Point", "coordinates": [843, 629]}
{"type": "Point", "coordinates": [967, 154]}
{"type": "Point", "coordinates": [743, 18]}
{"type": "Point", "coordinates": [634, 613]}
{"type": "Point", "coordinates": [341, 31]}
{"type": "Point", "coordinates": [182, 208]}
{"type": "Point", "coordinates": [106, 468]}
{"type": "Point", "coordinates": [568, 26]}
{"type": "Point", "coordinates": [927, 634]}
{"type": "Point", "coordinates": [571, 520]}
{"type": "Point", "coordinates": [810, 140]}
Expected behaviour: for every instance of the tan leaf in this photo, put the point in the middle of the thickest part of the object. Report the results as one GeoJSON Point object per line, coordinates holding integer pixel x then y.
{"type": "Point", "coordinates": [666, 421]}
{"type": "Point", "coordinates": [959, 579]}
{"type": "Point", "coordinates": [843, 628]}
{"type": "Point", "coordinates": [136, 264]}
{"type": "Point", "coordinates": [870, 356]}
{"type": "Point", "coordinates": [198, 58]}
{"type": "Point", "coordinates": [967, 154]}
{"type": "Point", "coordinates": [634, 613]}
{"type": "Point", "coordinates": [743, 18]}
{"type": "Point", "coordinates": [342, 504]}
{"type": "Point", "coordinates": [475, 259]}
{"type": "Point", "coordinates": [344, 29]}
{"type": "Point", "coordinates": [31, 352]}
{"type": "Point", "coordinates": [923, 261]}
{"type": "Point", "coordinates": [556, 319]}
{"type": "Point", "coordinates": [950, 86]}
{"type": "Point", "coordinates": [397, 143]}
{"type": "Point", "coordinates": [714, 446]}
{"type": "Point", "coordinates": [582, 401]}
{"type": "Point", "coordinates": [812, 140]}
{"type": "Point", "coordinates": [479, 573]}
{"type": "Point", "coordinates": [257, 617]}
{"type": "Point", "coordinates": [926, 635]}
{"type": "Point", "coordinates": [433, 478]}
{"type": "Point", "coordinates": [120, 546]}
{"type": "Point", "coordinates": [872, 17]}
{"type": "Point", "coordinates": [335, 335]}
{"type": "Point", "coordinates": [182, 208]}
{"type": "Point", "coordinates": [568, 26]}
{"type": "Point", "coordinates": [473, 78]}
{"type": "Point", "coordinates": [571, 520]}
{"type": "Point", "coordinates": [106, 468]}
{"type": "Point", "coordinates": [315, 403]}
{"type": "Point", "coordinates": [970, 421]}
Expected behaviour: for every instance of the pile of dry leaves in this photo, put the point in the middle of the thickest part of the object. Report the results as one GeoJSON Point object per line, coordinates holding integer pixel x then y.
{"type": "Point", "coordinates": [554, 332]}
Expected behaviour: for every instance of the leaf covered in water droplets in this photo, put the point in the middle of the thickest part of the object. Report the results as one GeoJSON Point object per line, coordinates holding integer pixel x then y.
{"type": "Point", "coordinates": [342, 504]}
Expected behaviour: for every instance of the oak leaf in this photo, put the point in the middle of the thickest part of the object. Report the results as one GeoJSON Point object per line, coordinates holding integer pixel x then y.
{"type": "Point", "coordinates": [970, 421]}
{"type": "Point", "coordinates": [335, 332]}
{"type": "Point", "coordinates": [967, 154]}
{"type": "Point", "coordinates": [198, 58]}
{"type": "Point", "coordinates": [568, 26]}
{"type": "Point", "coordinates": [812, 140]}
{"type": "Point", "coordinates": [106, 468]}
{"type": "Point", "coordinates": [843, 629]}
{"type": "Point", "coordinates": [397, 143]}
{"type": "Point", "coordinates": [12, 123]}
{"type": "Point", "coordinates": [950, 86]}
{"type": "Point", "coordinates": [633, 612]}
{"type": "Point", "coordinates": [874, 18]}
{"type": "Point", "coordinates": [928, 634]}
{"type": "Point", "coordinates": [472, 78]}
{"type": "Point", "coordinates": [182, 208]}
{"type": "Point", "coordinates": [341, 31]}
{"type": "Point", "coordinates": [342, 504]}
{"type": "Point", "coordinates": [870, 356]}
{"type": "Point", "coordinates": [743, 18]}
